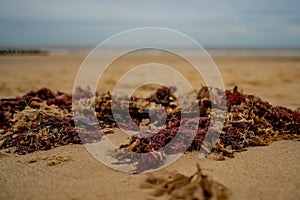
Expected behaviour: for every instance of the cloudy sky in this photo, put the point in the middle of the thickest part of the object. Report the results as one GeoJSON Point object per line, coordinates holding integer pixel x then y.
{"type": "Point", "coordinates": [217, 23]}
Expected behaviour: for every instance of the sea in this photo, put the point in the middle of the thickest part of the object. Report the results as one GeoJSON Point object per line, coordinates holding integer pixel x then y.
{"type": "Point", "coordinates": [212, 51]}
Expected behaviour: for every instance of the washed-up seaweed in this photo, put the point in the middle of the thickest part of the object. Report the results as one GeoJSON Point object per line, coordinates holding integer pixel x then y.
{"type": "Point", "coordinates": [174, 185]}
{"type": "Point", "coordinates": [43, 119]}
{"type": "Point", "coordinates": [250, 121]}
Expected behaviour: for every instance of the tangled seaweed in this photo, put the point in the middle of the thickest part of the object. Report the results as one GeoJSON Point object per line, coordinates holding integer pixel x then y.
{"type": "Point", "coordinates": [178, 186]}
{"type": "Point", "coordinates": [43, 119]}
{"type": "Point", "coordinates": [250, 121]}
{"type": "Point", "coordinates": [39, 121]}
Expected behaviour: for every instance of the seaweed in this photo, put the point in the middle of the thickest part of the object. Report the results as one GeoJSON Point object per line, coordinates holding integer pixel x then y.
{"type": "Point", "coordinates": [174, 185]}
{"type": "Point", "coordinates": [250, 121]}
{"type": "Point", "coordinates": [43, 119]}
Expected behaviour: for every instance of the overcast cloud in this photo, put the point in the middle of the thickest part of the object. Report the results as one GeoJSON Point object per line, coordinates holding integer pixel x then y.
{"type": "Point", "coordinates": [233, 23]}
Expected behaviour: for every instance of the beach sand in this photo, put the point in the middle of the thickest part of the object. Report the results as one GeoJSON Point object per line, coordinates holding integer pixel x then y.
{"type": "Point", "coordinates": [70, 172]}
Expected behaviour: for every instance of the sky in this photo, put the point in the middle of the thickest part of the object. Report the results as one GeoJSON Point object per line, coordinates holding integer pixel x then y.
{"type": "Point", "coordinates": [212, 23]}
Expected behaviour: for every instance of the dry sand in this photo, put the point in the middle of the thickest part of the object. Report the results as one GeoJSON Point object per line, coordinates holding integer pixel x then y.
{"type": "Point", "coordinates": [70, 172]}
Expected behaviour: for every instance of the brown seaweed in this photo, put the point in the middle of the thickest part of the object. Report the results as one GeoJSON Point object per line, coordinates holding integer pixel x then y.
{"type": "Point", "coordinates": [174, 185]}
{"type": "Point", "coordinates": [250, 121]}
{"type": "Point", "coordinates": [43, 119]}
{"type": "Point", "coordinates": [40, 120]}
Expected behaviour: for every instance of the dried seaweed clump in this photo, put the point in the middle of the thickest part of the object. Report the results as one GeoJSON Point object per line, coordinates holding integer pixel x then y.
{"type": "Point", "coordinates": [250, 121]}
{"type": "Point", "coordinates": [37, 121]}
{"type": "Point", "coordinates": [44, 119]}
{"type": "Point", "coordinates": [174, 185]}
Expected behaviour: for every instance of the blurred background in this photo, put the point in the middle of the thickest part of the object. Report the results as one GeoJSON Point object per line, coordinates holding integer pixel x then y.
{"type": "Point", "coordinates": [255, 44]}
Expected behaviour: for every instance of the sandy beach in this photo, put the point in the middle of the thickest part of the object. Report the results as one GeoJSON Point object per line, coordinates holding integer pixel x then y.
{"type": "Point", "coordinates": [274, 79]}
{"type": "Point", "coordinates": [70, 172]}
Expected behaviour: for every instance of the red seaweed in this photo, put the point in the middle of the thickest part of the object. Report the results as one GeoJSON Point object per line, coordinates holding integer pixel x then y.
{"type": "Point", "coordinates": [43, 119]}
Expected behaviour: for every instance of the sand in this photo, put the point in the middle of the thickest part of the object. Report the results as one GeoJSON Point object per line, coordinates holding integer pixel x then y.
{"type": "Point", "coordinates": [70, 172]}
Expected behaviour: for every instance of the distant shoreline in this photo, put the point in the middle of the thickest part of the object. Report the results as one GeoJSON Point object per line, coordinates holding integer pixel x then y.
{"type": "Point", "coordinates": [22, 51]}
{"type": "Point", "coordinates": [212, 51]}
